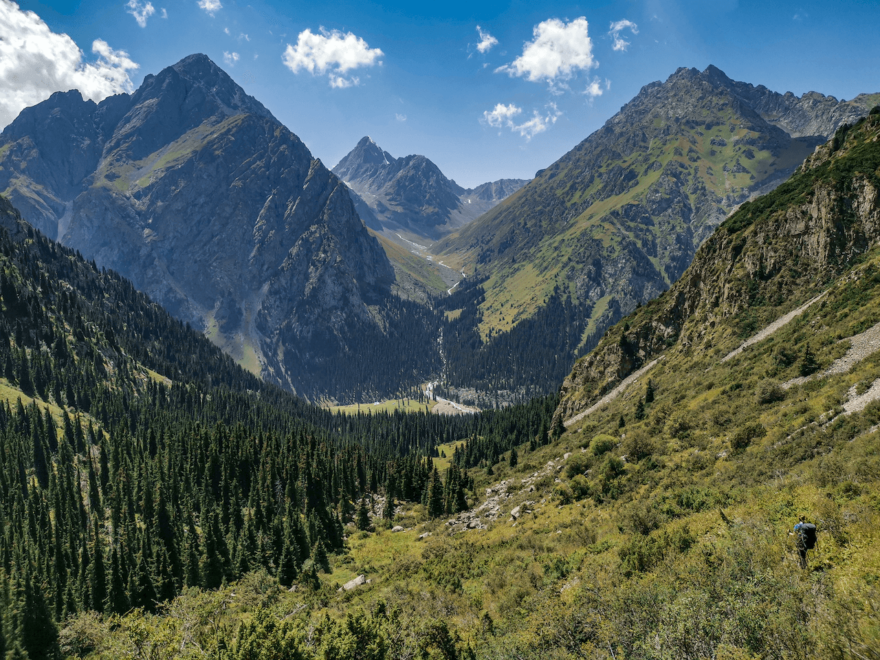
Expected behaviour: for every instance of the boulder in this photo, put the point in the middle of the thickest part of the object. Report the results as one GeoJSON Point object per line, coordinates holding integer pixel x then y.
{"type": "Point", "coordinates": [353, 584]}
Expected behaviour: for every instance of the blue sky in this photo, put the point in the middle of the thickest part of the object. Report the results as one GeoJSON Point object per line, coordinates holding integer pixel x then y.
{"type": "Point", "coordinates": [431, 91]}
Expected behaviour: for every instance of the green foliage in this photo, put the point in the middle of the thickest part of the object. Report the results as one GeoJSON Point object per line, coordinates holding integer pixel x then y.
{"type": "Point", "coordinates": [602, 444]}
{"type": "Point", "coordinates": [808, 364]}
{"type": "Point", "coordinates": [744, 436]}
{"type": "Point", "coordinates": [769, 391]}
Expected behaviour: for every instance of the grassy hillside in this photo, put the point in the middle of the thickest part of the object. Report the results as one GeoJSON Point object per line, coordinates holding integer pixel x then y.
{"type": "Point", "coordinates": [617, 220]}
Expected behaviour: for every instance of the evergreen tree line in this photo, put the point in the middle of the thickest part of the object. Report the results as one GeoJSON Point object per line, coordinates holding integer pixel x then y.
{"type": "Point", "coordinates": [363, 362]}
{"type": "Point", "coordinates": [498, 432]}
{"type": "Point", "coordinates": [109, 521]}
{"type": "Point", "coordinates": [533, 357]}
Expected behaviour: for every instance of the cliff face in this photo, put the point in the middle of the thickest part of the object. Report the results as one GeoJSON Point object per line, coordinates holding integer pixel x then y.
{"type": "Point", "coordinates": [772, 255]}
{"type": "Point", "coordinates": [195, 192]}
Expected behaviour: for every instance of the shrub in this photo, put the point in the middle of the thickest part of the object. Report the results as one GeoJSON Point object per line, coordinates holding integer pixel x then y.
{"type": "Point", "coordinates": [679, 424]}
{"type": "Point", "coordinates": [784, 357]}
{"type": "Point", "coordinates": [641, 517]}
{"type": "Point", "coordinates": [578, 464]}
{"type": "Point", "coordinates": [743, 438]}
{"type": "Point", "coordinates": [580, 487]}
{"type": "Point", "coordinates": [602, 444]}
{"type": "Point", "coordinates": [563, 493]}
{"type": "Point", "coordinates": [638, 446]}
{"type": "Point", "coordinates": [769, 391]}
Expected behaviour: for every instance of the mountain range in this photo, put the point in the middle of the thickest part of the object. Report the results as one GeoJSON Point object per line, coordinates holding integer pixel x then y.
{"type": "Point", "coordinates": [336, 284]}
{"type": "Point", "coordinates": [157, 498]}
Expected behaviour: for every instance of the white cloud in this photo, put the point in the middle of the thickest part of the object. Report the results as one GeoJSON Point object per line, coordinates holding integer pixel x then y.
{"type": "Point", "coordinates": [486, 41]}
{"type": "Point", "coordinates": [558, 51]}
{"type": "Point", "coordinates": [340, 82]}
{"type": "Point", "coordinates": [226, 30]}
{"type": "Point", "coordinates": [399, 117]}
{"type": "Point", "coordinates": [35, 62]}
{"type": "Point", "coordinates": [243, 36]}
{"type": "Point", "coordinates": [164, 13]}
{"type": "Point", "coordinates": [594, 89]}
{"type": "Point", "coordinates": [616, 28]}
{"type": "Point", "coordinates": [331, 52]}
{"type": "Point", "coordinates": [210, 6]}
{"type": "Point", "coordinates": [140, 12]}
{"type": "Point", "coordinates": [230, 58]}
{"type": "Point", "coordinates": [502, 116]}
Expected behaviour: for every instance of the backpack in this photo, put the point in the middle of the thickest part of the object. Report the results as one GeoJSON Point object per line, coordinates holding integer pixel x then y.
{"type": "Point", "coordinates": [808, 535]}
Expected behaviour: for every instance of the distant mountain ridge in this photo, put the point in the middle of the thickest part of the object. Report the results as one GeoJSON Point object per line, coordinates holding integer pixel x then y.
{"type": "Point", "coordinates": [411, 194]}
{"type": "Point", "coordinates": [194, 191]}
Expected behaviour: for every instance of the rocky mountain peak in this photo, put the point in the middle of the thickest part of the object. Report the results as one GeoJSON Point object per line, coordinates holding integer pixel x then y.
{"type": "Point", "coordinates": [195, 192]}
{"type": "Point", "coordinates": [411, 193]}
{"type": "Point", "coordinates": [180, 97]}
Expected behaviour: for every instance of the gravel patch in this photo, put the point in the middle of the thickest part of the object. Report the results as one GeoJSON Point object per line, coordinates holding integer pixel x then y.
{"type": "Point", "coordinates": [861, 346]}
{"type": "Point", "coordinates": [773, 327]}
{"type": "Point", "coordinates": [613, 394]}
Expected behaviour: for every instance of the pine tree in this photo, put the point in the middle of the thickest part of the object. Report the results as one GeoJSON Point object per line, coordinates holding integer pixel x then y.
{"type": "Point", "coordinates": [435, 495]}
{"type": "Point", "coordinates": [287, 565]}
{"type": "Point", "coordinates": [38, 632]}
{"type": "Point", "coordinates": [640, 410]}
{"type": "Point", "coordinates": [808, 364]}
{"type": "Point", "coordinates": [212, 567]}
{"type": "Point", "coordinates": [191, 576]}
{"type": "Point", "coordinates": [143, 591]}
{"type": "Point", "coordinates": [320, 558]}
{"type": "Point", "coordinates": [388, 510]}
{"type": "Point", "coordinates": [363, 516]}
{"type": "Point", "coordinates": [117, 600]}
{"type": "Point", "coordinates": [97, 572]}
{"type": "Point", "coordinates": [649, 392]}
{"type": "Point", "coordinates": [514, 458]}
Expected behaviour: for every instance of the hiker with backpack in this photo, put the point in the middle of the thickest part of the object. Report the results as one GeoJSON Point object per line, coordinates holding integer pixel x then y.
{"type": "Point", "coordinates": [806, 539]}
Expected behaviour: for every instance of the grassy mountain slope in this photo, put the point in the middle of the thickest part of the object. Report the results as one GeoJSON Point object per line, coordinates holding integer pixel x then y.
{"type": "Point", "coordinates": [770, 257]}
{"type": "Point", "coordinates": [618, 219]}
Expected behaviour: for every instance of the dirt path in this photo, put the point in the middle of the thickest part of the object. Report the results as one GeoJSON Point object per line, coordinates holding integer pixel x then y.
{"type": "Point", "coordinates": [861, 346]}
{"type": "Point", "coordinates": [613, 394]}
{"type": "Point", "coordinates": [773, 327]}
